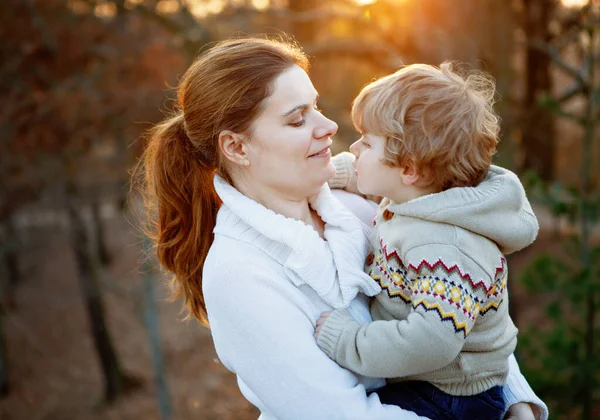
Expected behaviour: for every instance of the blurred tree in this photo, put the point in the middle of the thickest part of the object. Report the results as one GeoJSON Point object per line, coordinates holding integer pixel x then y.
{"type": "Point", "coordinates": [75, 75]}
{"type": "Point", "coordinates": [99, 236]}
{"type": "Point", "coordinates": [88, 268]}
{"type": "Point", "coordinates": [304, 27]}
{"type": "Point", "coordinates": [4, 375]}
{"type": "Point", "coordinates": [567, 369]}
{"type": "Point", "coordinates": [538, 141]}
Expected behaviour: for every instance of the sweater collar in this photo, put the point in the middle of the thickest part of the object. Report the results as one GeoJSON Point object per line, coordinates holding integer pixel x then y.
{"type": "Point", "coordinates": [332, 267]}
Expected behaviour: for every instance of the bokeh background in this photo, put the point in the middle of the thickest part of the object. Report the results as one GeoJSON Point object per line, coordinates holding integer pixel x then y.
{"type": "Point", "coordinates": [86, 331]}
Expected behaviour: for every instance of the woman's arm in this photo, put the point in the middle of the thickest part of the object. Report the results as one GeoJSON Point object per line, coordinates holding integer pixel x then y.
{"type": "Point", "coordinates": [517, 390]}
{"type": "Point", "coordinates": [262, 334]}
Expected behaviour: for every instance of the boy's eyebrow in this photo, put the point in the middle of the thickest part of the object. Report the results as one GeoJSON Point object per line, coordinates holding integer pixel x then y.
{"type": "Point", "coordinates": [302, 107]}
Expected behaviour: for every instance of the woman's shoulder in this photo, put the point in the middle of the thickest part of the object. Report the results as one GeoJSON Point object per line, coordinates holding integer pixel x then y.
{"type": "Point", "coordinates": [237, 274]}
{"type": "Point", "coordinates": [229, 256]}
{"type": "Point", "coordinates": [362, 208]}
{"type": "Point", "coordinates": [239, 267]}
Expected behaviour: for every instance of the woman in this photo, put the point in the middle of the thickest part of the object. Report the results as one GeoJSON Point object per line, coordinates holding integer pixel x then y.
{"type": "Point", "coordinates": [284, 250]}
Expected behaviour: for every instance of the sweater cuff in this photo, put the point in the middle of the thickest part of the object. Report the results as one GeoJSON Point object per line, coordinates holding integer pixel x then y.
{"type": "Point", "coordinates": [517, 390]}
{"type": "Point", "coordinates": [343, 170]}
{"type": "Point", "coordinates": [332, 330]}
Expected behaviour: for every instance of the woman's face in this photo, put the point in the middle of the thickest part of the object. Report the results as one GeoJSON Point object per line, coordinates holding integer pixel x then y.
{"type": "Point", "coordinates": [289, 148]}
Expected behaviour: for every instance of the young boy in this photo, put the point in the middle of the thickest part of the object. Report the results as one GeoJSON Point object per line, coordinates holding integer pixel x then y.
{"type": "Point", "coordinates": [441, 334]}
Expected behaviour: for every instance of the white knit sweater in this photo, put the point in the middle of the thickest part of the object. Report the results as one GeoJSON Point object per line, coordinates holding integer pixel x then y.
{"type": "Point", "coordinates": [266, 281]}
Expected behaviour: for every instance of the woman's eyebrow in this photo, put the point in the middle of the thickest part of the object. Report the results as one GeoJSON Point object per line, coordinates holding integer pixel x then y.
{"type": "Point", "coordinates": [296, 108]}
{"type": "Point", "coordinates": [302, 107]}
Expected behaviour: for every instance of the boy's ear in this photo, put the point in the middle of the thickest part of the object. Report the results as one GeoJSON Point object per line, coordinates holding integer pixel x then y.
{"type": "Point", "coordinates": [410, 176]}
{"type": "Point", "coordinates": [233, 146]}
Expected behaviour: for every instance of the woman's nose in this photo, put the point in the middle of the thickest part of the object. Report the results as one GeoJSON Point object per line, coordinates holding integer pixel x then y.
{"type": "Point", "coordinates": [325, 127]}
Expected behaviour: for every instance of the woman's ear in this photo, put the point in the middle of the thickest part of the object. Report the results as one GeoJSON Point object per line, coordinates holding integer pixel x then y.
{"type": "Point", "coordinates": [233, 147]}
{"type": "Point", "coordinates": [410, 176]}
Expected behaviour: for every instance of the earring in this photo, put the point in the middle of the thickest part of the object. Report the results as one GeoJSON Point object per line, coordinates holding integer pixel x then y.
{"type": "Point", "coordinates": [246, 162]}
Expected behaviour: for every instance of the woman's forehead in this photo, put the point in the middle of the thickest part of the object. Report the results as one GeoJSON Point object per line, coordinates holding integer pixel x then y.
{"type": "Point", "coordinates": [292, 88]}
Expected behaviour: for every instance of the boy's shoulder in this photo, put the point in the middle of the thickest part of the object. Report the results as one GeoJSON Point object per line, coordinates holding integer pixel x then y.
{"type": "Point", "coordinates": [416, 241]}
{"type": "Point", "coordinates": [407, 233]}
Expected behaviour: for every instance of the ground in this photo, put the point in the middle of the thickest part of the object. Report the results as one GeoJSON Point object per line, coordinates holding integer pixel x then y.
{"type": "Point", "coordinates": [54, 371]}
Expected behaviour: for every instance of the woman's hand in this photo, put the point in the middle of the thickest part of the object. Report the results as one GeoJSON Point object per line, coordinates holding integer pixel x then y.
{"type": "Point", "coordinates": [320, 323]}
{"type": "Point", "coordinates": [520, 411]}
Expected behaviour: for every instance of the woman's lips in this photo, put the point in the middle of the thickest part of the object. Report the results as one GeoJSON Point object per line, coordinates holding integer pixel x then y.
{"type": "Point", "coordinates": [326, 152]}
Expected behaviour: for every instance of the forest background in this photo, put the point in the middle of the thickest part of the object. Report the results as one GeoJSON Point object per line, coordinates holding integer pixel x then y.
{"type": "Point", "coordinates": [86, 331]}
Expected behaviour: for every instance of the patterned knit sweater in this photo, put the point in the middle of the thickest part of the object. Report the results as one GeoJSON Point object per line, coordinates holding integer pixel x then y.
{"type": "Point", "coordinates": [444, 304]}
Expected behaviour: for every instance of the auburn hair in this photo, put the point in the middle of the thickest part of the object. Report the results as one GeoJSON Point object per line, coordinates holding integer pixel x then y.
{"type": "Point", "coordinates": [223, 89]}
{"type": "Point", "coordinates": [442, 122]}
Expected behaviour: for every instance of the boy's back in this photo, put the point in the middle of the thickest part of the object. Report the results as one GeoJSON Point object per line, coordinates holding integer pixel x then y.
{"type": "Point", "coordinates": [441, 326]}
{"type": "Point", "coordinates": [431, 259]}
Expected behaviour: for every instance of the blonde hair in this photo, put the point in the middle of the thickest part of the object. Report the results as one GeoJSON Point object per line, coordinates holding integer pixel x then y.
{"type": "Point", "coordinates": [442, 122]}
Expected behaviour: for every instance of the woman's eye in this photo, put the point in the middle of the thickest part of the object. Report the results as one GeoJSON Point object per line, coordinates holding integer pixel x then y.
{"type": "Point", "coordinates": [298, 123]}
{"type": "Point", "coordinates": [316, 107]}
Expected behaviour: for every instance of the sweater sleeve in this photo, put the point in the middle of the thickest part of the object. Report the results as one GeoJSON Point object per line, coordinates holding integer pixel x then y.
{"type": "Point", "coordinates": [517, 390]}
{"type": "Point", "coordinates": [430, 337]}
{"type": "Point", "coordinates": [344, 177]}
{"type": "Point", "coordinates": [262, 334]}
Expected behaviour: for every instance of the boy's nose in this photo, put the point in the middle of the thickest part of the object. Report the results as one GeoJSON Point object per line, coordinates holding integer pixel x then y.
{"type": "Point", "coordinates": [354, 148]}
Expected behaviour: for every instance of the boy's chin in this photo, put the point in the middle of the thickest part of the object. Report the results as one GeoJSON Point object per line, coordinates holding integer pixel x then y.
{"type": "Point", "coordinates": [362, 190]}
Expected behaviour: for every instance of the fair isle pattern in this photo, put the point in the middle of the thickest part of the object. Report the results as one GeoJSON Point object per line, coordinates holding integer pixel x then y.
{"type": "Point", "coordinates": [498, 291]}
{"type": "Point", "coordinates": [454, 296]}
{"type": "Point", "coordinates": [391, 276]}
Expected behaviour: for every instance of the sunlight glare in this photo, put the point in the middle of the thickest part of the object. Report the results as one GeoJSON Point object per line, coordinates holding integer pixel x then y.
{"type": "Point", "coordinates": [204, 8]}
{"type": "Point", "coordinates": [105, 10]}
{"type": "Point", "coordinates": [260, 4]}
{"type": "Point", "coordinates": [574, 3]}
{"type": "Point", "coordinates": [167, 6]}
{"type": "Point", "coordinates": [364, 2]}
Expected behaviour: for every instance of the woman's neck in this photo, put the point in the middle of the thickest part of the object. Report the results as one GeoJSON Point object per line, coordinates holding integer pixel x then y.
{"type": "Point", "coordinates": [293, 208]}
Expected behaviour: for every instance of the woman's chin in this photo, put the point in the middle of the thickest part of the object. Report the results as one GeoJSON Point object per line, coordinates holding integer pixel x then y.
{"type": "Point", "coordinates": [328, 172]}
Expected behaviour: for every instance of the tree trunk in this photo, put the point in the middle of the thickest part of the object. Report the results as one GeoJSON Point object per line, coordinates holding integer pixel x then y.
{"type": "Point", "coordinates": [538, 130]}
{"type": "Point", "coordinates": [4, 378]}
{"type": "Point", "coordinates": [101, 249]}
{"type": "Point", "coordinates": [10, 260]}
{"type": "Point", "coordinates": [152, 326]}
{"type": "Point", "coordinates": [303, 29]}
{"type": "Point", "coordinates": [89, 280]}
{"type": "Point", "coordinates": [10, 267]}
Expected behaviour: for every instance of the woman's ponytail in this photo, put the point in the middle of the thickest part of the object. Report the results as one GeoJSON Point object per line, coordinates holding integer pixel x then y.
{"type": "Point", "coordinates": [222, 90]}
{"type": "Point", "coordinates": [179, 183]}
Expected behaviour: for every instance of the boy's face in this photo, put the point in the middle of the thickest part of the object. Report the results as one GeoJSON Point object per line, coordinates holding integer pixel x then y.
{"type": "Point", "coordinates": [374, 177]}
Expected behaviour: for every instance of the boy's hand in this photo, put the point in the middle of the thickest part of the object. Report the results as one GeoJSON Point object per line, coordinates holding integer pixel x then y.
{"type": "Point", "coordinates": [320, 323]}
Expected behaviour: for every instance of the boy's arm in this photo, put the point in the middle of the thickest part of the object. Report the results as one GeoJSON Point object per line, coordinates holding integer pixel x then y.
{"type": "Point", "coordinates": [430, 338]}
{"type": "Point", "coordinates": [344, 178]}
